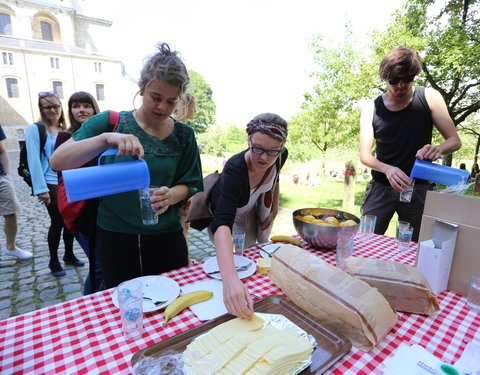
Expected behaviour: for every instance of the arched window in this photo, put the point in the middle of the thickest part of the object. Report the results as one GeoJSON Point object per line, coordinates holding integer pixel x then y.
{"type": "Point", "coordinates": [46, 27]}
{"type": "Point", "coordinates": [12, 87]}
{"type": "Point", "coordinates": [5, 24]}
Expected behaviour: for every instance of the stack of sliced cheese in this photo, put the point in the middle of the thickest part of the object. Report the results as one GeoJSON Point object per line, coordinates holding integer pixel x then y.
{"type": "Point", "coordinates": [246, 347]}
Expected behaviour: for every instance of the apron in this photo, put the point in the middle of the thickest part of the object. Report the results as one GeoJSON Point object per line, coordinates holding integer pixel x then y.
{"type": "Point", "coordinates": [247, 216]}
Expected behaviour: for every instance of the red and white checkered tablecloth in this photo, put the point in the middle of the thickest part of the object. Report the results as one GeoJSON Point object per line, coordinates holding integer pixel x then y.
{"type": "Point", "coordinates": [83, 336]}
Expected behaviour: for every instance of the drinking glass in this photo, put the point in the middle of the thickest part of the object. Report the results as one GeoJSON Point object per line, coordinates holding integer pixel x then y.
{"type": "Point", "coordinates": [130, 302]}
{"type": "Point", "coordinates": [367, 225]}
{"type": "Point", "coordinates": [344, 250]}
{"type": "Point", "coordinates": [406, 196]}
{"type": "Point", "coordinates": [404, 237]}
{"type": "Point", "coordinates": [238, 242]}
{"type": "Point", "coordinates": [473, 295]}
{"type": "Point", "coordinates": [149, 214]}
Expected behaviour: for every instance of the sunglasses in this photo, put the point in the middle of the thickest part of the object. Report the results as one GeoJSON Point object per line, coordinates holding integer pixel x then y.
{"type": "Point", "coordinates": [50, 107]}
{"type": "Point", "coordinates": [406, 79]}
{"type": "Point", "coordinates": [46, 93]}
{"type": "Point", "coordinates": [260, 151]}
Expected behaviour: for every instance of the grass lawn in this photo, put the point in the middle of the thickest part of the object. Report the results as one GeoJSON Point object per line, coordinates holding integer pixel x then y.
{"type": "Point", "coordinates": [329, 194]}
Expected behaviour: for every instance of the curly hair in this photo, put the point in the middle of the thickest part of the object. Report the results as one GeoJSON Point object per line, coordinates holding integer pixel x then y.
{"type": "Point", "coordinates": [166, 66]}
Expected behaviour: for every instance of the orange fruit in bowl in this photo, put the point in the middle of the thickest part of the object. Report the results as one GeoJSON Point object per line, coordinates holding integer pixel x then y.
{"type": "Point", "coordinates": [309, 218]}
{"type": "Point", "coordinates": [317, 221]}
{"type": "Point", "coordinates": [332, 220]}
{"type": "Point", "coordinates": [347, 223]}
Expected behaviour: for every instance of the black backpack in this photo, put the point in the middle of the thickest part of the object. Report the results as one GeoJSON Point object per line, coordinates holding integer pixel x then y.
{"type": "Point", "coordinates": [23, 170]}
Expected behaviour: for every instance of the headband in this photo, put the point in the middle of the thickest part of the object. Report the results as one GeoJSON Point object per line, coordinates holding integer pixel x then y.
{"type": "Point", "coordinates": [271, 129]}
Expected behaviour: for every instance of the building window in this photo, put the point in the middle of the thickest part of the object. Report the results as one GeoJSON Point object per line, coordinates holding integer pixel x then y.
{"type": "Point", "coordinates": [5, 24]}
{"type": "Point", "coordinates": [98, 67]}
{"type": "Point", "coordinates": [54, 63]}
{"type": "Point", "coordinates": [12, 87]}
{"type": "Point", "coordinates": [46, 29]}
{"type": "Point", "coordinates": [58, 88]}
{"type": "Point", "coordinates": [7, 58]}
{"type": "Point", "coordinates": [100, 89]}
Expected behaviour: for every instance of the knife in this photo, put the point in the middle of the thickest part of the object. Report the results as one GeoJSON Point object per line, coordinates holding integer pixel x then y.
{"type": "Point", "coordinates": [238, 269]}
{"type": "Point", "coordinates": [270, 253]}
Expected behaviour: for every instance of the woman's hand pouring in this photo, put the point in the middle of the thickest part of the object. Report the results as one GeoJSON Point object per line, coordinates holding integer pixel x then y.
{"type": "Point", "coordinates": [127, 144]}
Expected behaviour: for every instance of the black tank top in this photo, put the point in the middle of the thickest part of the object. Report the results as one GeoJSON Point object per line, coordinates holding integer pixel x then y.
{"type": "Point", "coordinates": [400, 134]}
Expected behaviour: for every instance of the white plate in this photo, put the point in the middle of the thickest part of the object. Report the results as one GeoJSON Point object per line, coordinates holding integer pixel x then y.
{"type": "Point", "coordinates": [268, 248]}
{"type": "Point", "coordinates": [211, 264]}
{"type": "Point", "coordinates": [158, 288]}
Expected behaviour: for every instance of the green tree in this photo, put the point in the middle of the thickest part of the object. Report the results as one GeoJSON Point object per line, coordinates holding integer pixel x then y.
{"type": "Point", "coordinates": [330, 113]}
{"type": "Point", "coordinates": [206, 108]}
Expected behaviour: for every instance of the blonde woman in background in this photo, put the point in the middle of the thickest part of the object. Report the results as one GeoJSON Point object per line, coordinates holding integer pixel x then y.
{"type": "Point", "coordinates": [184, 111]}
{"type": "Point", "coordinates": [45, 181]}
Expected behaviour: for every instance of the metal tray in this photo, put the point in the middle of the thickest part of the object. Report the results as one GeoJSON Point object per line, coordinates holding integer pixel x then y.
{"type": "Point", "coordinates": [330, 346]}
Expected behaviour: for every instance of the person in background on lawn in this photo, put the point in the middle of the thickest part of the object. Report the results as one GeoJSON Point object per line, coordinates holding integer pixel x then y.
{"type": "Point", "coordinates": [82, 106]}
{"type": "Point", "coordinates": [462, 166]}
{"type": "Point", "coordinates": [127, 247]}
{"type": "Point", "coordinates": [245, 200]}
{"type": "Point", "coordinates": [45, 181]}
{"type": "Point", "coordinates": [9, 206]}
{"type": "Point", "coordinates": [475, 171]}
{"type": "Point", "coordinates": [400, 122]}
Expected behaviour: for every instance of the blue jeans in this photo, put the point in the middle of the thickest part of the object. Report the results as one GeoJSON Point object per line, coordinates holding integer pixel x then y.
{"type": "Point", "coordinates": [83, 241]}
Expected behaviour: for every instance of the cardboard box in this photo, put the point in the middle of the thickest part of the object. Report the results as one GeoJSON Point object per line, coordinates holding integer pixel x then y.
{"type": "Point", "coordinates": [465, 212]}
{"type": "Point", "coordinates": [435, 256]}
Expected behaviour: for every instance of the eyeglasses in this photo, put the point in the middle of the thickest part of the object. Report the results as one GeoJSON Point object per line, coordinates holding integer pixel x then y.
{"type": "Point", "coordinates": [406, 79]}
{"type": "Point", "coordinates": [47, 93]}
{"type": "Point", "coordinates": [260, 151]}
{"type": "Point", "coordinates": [50, 107]}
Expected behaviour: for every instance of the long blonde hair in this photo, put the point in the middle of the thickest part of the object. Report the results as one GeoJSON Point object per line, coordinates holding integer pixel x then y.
{"type": "Point", "coordinates": [184, 106]}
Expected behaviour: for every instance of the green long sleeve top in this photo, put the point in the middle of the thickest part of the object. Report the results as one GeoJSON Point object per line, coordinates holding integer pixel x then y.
{"type": "Point", "coordinates": [172, 161]}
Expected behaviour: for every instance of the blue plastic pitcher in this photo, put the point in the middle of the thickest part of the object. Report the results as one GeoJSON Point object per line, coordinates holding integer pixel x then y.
{"type": "Point", "coordinates": [438, 173]}
{"type": "Point", "coordinates": [106, 179]}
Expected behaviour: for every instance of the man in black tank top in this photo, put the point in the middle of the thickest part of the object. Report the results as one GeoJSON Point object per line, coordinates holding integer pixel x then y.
{"type": "Point", "coordinates": [400, 122]}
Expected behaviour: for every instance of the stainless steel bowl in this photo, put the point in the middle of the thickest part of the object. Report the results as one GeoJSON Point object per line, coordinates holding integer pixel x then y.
{"type": "Point", "coordinates": [323, 237]}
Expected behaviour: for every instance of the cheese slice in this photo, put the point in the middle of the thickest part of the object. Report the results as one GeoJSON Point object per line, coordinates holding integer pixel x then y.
{"type": "Point", "coordinates": [247, 347]}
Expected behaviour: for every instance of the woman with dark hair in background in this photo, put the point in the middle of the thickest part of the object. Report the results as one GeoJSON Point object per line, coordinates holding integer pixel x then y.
{"type": "Point", "coordinates": [127, 247]}
{"type": "Point", "coordinates": [44, 178]}
{"type": "Point", "coordinates": [82, 106]}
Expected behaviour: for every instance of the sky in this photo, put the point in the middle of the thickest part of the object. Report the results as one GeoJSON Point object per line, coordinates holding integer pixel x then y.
{"type": "Point", "coordinates": [253, 53]}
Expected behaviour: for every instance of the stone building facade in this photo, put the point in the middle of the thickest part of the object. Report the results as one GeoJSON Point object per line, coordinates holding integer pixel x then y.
{"type": "Point", "coordinates": [55, 45]}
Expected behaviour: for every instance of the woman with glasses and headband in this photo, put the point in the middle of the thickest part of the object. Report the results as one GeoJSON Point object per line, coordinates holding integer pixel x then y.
{"type": "Point", "coordinates": [245, 200]}
{"type": "Point", "coordinates": [44, 178]}
{"type": "Point", "coordinates": [128, 248]}
{"type": "Point", "coordinates": [400, 122]}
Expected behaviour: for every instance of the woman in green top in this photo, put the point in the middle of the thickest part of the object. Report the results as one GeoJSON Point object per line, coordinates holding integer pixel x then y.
{"type": "Point", "coordinates": [127, 248]}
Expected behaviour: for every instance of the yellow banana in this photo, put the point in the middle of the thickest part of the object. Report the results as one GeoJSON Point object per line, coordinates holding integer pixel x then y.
{"type": "Point", "coordinates": [182, 302]}
{"type": "Point", "coordinates": [289, 239]}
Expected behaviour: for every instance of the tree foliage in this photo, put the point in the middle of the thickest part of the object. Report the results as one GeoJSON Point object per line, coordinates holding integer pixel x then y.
{"type": "Point", "coordinates": [205, 116]}
{"type": "Point", "coordinates": [330, 113]}
{"type": "Point", "coordinates": [218, 141]}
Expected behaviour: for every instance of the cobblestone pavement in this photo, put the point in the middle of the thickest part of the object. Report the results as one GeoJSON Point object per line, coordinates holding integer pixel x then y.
{"type": "Point", "coordinates": [27, 285]}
